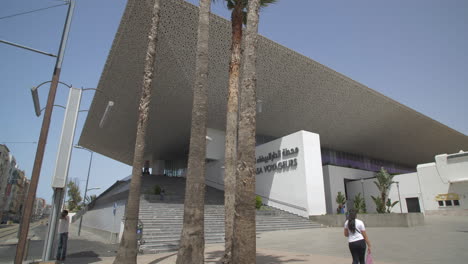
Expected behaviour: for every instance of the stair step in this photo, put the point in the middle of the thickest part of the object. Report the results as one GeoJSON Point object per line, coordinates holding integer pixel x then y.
{"type": "Point", "coordinates": [163, 220]}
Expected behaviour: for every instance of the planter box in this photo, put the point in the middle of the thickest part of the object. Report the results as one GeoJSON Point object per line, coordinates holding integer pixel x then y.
{"type": "Point", "coordinates": [373, 220]}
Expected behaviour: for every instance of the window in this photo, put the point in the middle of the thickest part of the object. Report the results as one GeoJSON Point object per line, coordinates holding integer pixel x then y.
{"type": "Point", "coordinates": [448, 203]}
{"type": "Point", "coordinates": [441, 203]}
{"type": "Point", "coordinates": [456, 202]}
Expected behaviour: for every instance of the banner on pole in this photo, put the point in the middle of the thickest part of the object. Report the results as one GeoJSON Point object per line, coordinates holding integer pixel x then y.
{"type": "Point", "coordinates": [66, 139]}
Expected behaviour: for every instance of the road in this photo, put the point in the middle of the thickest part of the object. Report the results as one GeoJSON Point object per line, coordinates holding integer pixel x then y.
{"type": "Point", "coordinates": [86, 246]}
{"type": "Point", "coordinates": [8, 232]}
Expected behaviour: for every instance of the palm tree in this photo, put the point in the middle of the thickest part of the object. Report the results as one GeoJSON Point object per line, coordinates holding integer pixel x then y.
{"type": "Point", "coordinates": [127, 252]}
{"type": "Point", "coordinates": [238, 17]}
{"type": "Point", "coordinates": [244, 248]}
{"type": "Point", "coordinates": [192, 241]}
{"type": "Point", "coordinates": [340, 201]}
{"type": "Point", "coordinates": [383, 183]}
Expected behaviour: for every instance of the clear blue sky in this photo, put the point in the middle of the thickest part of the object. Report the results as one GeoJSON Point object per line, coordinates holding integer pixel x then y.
{"type": "Point", "coordinates": [415, 52]}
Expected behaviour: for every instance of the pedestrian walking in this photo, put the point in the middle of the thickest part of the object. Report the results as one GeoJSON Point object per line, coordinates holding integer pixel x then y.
{"type": "Point", "coordinates": [63, 235]}
{"type": "Point", "coordinates": [355, 231]}
{"type": "Point", "coordinates": [161, 194]}
{"type": "Point", "coordinates": [146, 167]}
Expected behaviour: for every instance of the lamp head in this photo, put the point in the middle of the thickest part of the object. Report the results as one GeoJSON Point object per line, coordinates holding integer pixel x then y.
{"type": "Point", "coordinates": [35, 97]}
{"type": "Point", "coordinates": [106, 114]}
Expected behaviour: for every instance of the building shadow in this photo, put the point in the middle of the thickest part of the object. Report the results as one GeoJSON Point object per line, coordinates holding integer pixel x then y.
{"type": "Point", "coordinates": [215, 257]}
{"type": "Point", "coordinates": [162, 258]}
{"type": "Point", "coordinates": [84, 257]}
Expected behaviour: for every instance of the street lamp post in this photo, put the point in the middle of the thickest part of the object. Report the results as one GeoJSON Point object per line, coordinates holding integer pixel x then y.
{"type": "Point", "coordinates": [59, 181]}
{"type": "Point", "coordinates": [86, 188]}
{"type": "Point", "coordinates": [62, 164]}
{"type": "Point", "coordinates": [399, 198]}
{"type": "Point", "coordinates": [28, 207]}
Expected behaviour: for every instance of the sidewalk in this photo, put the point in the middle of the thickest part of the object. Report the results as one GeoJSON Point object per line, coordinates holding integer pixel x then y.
{"type": "Point", "coordinates": [213, 254]}
{"type": "Point", "coordinates": [442, 240]}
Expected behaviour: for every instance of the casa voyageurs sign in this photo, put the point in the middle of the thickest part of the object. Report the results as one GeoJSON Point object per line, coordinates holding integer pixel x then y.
{"type": "Point", "coordinates": [288, 159]}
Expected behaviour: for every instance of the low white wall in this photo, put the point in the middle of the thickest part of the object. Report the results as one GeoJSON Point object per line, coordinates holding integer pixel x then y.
{"type": "Point", "coordinates": [296, 188]}
{"type": "Point", "coordinates": [374, 220]}
{"type": "Point", "coordinates": [101, 216]}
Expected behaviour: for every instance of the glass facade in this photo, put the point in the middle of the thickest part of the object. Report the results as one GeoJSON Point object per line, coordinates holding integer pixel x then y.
{"type": "Point", "coordinates": [343, 159]}
{"type": "Point", "coordinates": [175, 168]}
{"type": "Point", "coordinates": [350, 160]}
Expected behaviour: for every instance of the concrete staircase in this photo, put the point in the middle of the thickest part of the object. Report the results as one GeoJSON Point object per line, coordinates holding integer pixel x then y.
{"type": "Point", "coordinates": [162, 220]}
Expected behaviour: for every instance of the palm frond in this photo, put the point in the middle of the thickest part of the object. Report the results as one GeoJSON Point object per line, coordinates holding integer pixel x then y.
{"type": "Point", "coordinates": [265, 3]}
{"type": "Point", "coordinates": [229, 3]}
{"type": "Point", "coordinates": [379, 186]}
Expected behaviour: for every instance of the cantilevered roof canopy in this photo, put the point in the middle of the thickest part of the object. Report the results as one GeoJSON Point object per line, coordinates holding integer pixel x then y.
{"type": "Point", "coordinates": [298, 94]}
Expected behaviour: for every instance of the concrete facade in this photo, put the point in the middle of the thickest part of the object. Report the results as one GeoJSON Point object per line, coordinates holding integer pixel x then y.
{"type": "Point", "coordinates": [13, 186]}
{"type": "Point", "coordinates": [289, 171]}
{"type": "Point", "coordinates": [4, 174]}
{"type": "Point", "coordinates": [19, 187]}
{"type": "Point", "coordinates": [440, 187]}
{"type": "Point", "coordinates": [408, 187]}
{"type": "Point", "coordinates": [443, 182]}
{"type": "Point", "coordinates": [39, 207]}
{"type": "Point", "coordinates": [298, 94]}
{"type": "Point", "coordinates": [296, 190]}
{"type": "Point", "coordinates": [335, 179]}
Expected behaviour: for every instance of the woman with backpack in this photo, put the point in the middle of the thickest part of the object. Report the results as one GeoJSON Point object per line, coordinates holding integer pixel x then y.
{"type": "Point", "coordinates": [355, 231]}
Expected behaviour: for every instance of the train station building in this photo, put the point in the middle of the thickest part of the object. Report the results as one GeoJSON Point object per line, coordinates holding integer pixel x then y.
{"type": "Point", "coordinates": [318, 132]}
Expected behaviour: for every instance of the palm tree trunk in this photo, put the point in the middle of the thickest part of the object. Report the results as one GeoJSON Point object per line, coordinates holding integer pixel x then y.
{"type": "Point", "coordinates": [244, 248]}
{"type": "Point", "coordinates": [127, 252]}
{"type": "Point", "coordinates": [192, 241]}
{"type": "Point", "coordinates": [231, 130]}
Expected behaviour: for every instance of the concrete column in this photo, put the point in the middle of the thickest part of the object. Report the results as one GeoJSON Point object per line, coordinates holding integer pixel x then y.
{"type": "Point", "coordinates": [157, 167]}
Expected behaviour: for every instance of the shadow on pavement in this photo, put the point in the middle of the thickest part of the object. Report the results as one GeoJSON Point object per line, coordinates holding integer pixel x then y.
{"type": "Point", "coordinates": [83, 254]}
{"type": "Point", "coordinates": [162, 258]}
{"type": "Point", "coordinates": [83, 257]}
{"type": "Point", "coordinates": [215, 257]}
